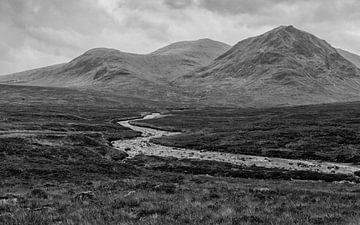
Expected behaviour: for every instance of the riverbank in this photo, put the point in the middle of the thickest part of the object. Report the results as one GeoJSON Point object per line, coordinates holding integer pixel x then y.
{"type": "Point", "coordinates": [143, 146]}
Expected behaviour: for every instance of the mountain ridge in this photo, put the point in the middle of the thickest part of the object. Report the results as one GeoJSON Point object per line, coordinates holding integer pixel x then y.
{"type": "Point", "coordinates": [106, 64]}
{"type": "Point", "coordinates": [284, 66]}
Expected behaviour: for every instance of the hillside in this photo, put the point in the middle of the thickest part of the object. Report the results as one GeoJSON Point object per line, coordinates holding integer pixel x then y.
{"type": "Point", "coordinates": [284, 66]}
{"type": "Point", "coordinates": [112, 72]}
{"type": "Point", "coordinates": [355, 59]}
{"type": "Point", "coordinates": [101, 66]}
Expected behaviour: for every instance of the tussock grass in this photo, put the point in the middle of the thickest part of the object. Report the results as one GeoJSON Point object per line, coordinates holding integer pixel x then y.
{"type": "Point", "coordinates": [196, 200]}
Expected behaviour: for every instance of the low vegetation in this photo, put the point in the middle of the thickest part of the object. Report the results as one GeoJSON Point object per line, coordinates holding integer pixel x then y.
{"type": "Point", "coordinates": [57, 166]}
{"type": "Point", "coordinates": [59, 142]}
{"type": "Point", "coordinates": [221, 169]}
{"type": "Point", "coordinates": [166, 198]}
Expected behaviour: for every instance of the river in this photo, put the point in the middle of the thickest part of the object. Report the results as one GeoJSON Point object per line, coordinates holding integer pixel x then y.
{"type": "Point", "coordinates": [142, 145]}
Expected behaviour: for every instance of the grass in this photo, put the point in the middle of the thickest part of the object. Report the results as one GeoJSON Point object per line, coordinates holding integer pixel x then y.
{"type": "Point", "coordinates": [190, 200]}
{"type": "Point", "coordinates": [57, 165]}
{"type": "Point", "coordinates": [221, 169]}
{"type": "Point", "coordinates": [60, 142]}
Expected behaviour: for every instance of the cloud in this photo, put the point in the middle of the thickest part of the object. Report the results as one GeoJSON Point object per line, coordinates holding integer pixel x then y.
{"type": "Point", "coordinates": [41, 32]}
{"type": "Point", "coordinates": [235, 7]}
{"type": "Point", "coordinates": [37, 33]}
{"type": "Point", "coordinates": [153, 29]}
{"type": "Point", "coordinates": [178, 4]}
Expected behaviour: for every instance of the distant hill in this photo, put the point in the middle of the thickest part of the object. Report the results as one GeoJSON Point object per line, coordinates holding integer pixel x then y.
{"type": "Point", "coordinates": [128, 74]}
{"type": "Point", "coordinates": [108, 66]}
{"type": "Point", "coordinates": [355, 59]}
{"type": "Point", "coordinates": [284, 66]}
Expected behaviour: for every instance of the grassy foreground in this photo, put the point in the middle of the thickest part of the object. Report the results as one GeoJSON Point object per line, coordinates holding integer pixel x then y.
{"type": "Point", "coordinates": [166, 198]}
{"type": "Point", "coordinates": [57, 166]}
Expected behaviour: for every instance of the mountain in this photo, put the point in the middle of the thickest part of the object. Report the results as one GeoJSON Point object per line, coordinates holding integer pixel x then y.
{"type": "Point", "coordinates": [355, 59]}
{"type": "Point", "coordinates": [284, 66]}
{"type": "Point", "coordinates": [108, 66]}
{"type": "Point", "coordinates": [112, 71]}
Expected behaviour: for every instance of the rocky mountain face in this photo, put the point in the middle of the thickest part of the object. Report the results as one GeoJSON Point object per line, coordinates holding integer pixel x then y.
{"type": "Point", "coordinates": [284, 66]}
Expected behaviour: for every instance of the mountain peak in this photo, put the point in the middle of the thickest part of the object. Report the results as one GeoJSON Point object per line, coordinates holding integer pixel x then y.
{"type": "Point", "coordinates": [192, 46]}
{"type": "Point", "coordinates": [290, 40]}
{"type": "Point", "coordinates": [100, 51]}
{"type": "Point", "coordinates": [284, 50]}
{"type": "Point", "coordinates": [283, 42]}
{"type": "Point", "coordinates": [284, 65]}
{"type": "Point", "coordinates": [289, 30]}
{"type": "Point", "coordinates": [206, 40]}
{"type": "Point", "coordinates": [284, 27]}
{"type": "Point", "coordinates": [288, 27]}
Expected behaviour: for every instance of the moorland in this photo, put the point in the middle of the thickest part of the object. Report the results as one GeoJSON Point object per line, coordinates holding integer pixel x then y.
{"type": "Point", "coordinates": [58, 166]}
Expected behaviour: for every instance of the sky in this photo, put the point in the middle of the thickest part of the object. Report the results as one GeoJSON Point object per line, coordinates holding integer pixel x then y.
{"type": "Point", "coordinates": [37, 33]}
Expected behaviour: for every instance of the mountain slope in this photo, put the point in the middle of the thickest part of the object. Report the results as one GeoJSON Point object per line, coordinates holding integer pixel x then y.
{"type": "Point", "coordinates": [107, 66]}
{"type": "Point", "coordinates": [112, 71]}
{"type": "Point", "coordinates": [18, 78]}
{"type": "Point", "coordinates": [284, 66]}
{"type": "Point", "coordinates": [355, 59]}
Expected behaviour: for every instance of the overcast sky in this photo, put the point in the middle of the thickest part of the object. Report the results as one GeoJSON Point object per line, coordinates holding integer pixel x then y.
{"type": "Point", "coordinates": [37, 33]}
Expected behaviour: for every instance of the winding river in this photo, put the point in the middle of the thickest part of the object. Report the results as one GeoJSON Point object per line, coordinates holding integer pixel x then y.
{"type": "Point", "coordinates": [142, 145]}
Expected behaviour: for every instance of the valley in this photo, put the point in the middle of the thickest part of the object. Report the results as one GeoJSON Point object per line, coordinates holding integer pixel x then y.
{"type": "Point", "coordinates": [198, 132]}
{"type": "Point", "coordinates": [60, 166]}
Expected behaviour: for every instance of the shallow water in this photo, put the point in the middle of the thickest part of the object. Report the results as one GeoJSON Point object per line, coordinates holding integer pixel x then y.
{"type": "Point", "coordinates": [142, 145]}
